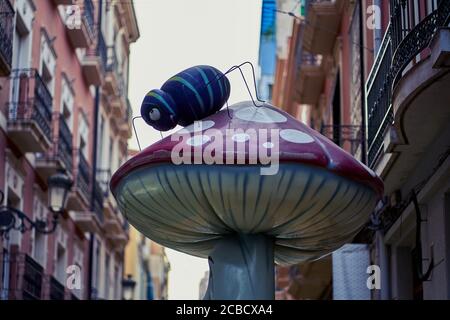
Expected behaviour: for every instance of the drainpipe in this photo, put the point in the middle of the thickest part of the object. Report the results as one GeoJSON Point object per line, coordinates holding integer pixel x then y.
{"type": "Point", "coordinates": [94, 167]}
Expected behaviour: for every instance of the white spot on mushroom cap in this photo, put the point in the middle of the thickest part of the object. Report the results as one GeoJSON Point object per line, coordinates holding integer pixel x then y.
{"type": "Point", "coordinates": [240, 137]}
{"type": "Point", "coordinates": [295, 136]}
{"type": "Point", "coordinates": [268, 145]}
{"type": "Point", "coordinates": [197, 126]}
{"type": "Point", "coordinates": [198, 140]}
{"type": "Point", "coordinates": [260, 114]}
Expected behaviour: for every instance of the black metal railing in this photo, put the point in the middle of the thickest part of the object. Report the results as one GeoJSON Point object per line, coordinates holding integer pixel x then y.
{"type": "Point", "coordinates": [103, 178]}
{"type": "Point", "coordinates": [83, 174]}
{"type": "Point", "coordinates": [6, 32]}
{"type": "Point", "coordinates": [31, 100]}
{"type": "Point", "coordinates": [56, 290]}
{"type": "Point", "coordinates": [32, 279]}
{"type": "Point", "coordinates": [98, 200]}
{"type": "Point", "coordinates": [64, 144]}
{"type": "Point", "coordinates": [112, 59]}
{"type": "Point", "coordinates": [88, 16]}
{"type": "Point", "coordinates": [128, 112]}
{"type": "Point", "coordinates": [401, 44]}
{"type": "Point", "coordinates": [379, 108]}
{"type": "Point", "coordinates": [409, 40]}
{"type": "Point", "coordinates": [310, 59]}
{"type": "Point", "coordinates": [341, 134]}
{"type": "Point", "coordinates": [102, 50]}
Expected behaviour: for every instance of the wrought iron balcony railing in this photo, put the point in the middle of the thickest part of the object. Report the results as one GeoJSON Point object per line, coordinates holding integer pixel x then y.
{"type": "Point", "coordinates": [341, 134]}
{"type": "Point", "coordinates": [61, 150]}
{"type": "Point", "coordinates": [98, 200]}
{"type": "Point", "coordinates": [409, 40]}
{"type": "Point", "coordinates": [88, 16]}
{"type": "Point", "coordinates": [103, 178]}
{"type": "Point", "coordinates": [82, 181]}
{"type": "Point", "coordinates": [102, 50]}
{"type": "Point", "coordinates": [32, 279]}
{"type": "Point", "coordinates": [65, 143]}
{"type": "Point", "coordinates": [6, 36]}
{"type": "Point", "coordinates": [129, 112]}
{"type": "Point", "coordinates": [31, 100]}
{"type": "Point", "coordinates": [310, 59]}
{"type": "Point", "coordinates": [379, 108]}
{"type": "Point", "coordinates": [401, 44]}
{"type": "Point", "coordinates": [112, 60]}
{"type": "Point", "coordinates": [56, 289]}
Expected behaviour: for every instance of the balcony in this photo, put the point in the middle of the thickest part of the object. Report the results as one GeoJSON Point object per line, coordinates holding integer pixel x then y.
{"type": "Point", "coordinates": [91, 68]}
{"type": "Point", "coordinates": [348, 137]}
{"type": "Point", "coordinates": [94, 62]}
{"type": "Point", "coordinates": [99, 198]}
{"type": "Point", "coordinates": [30, 111]}
{"type": "Point", "coordinates": [81, 35]}
{"type": "Point", "coordinates": [63, 2]}
{"type": "Point", "coordinates": [310, 79]}
{"type": "Point", "coordinates": [6, 36]}
{"type": "Point", "coordinates": [57, 291]}
{"type": "Point", "coordinates": [119, 240]}
{"type": "Point", "coordinates": [407, 93]}
{"type": "Point", "coordinates": [323, 18]}
{"type": "Point", "coordinates": [59, 157]}
{"type": "Point", "coordinates": [125, 126]}
{"type": "Point", "coordinates": [112, 75]}
{"type": "Point", "coordinates": [87, 221]}
{"type": "Point", "coordinates": [32, 279]}
{"type": "Point", "coordinates": [80, 195]}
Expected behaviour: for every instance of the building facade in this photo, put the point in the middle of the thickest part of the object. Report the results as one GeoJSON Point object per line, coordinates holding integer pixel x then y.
{"type": "Point", "coordinates": [370, 75]}
{"type": "Point", "coordinates": [267, 50]}
{"type": "Point", "coordinates": [64, 107]}
{"type": "Point", "coordinates": [147, 265]}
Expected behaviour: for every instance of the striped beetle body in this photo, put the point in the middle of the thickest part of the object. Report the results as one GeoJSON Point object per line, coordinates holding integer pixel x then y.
{"type": "Point", "coordinates": [190, 95]}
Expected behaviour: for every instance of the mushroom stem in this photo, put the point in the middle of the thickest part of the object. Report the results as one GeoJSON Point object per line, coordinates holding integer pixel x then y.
{"type": "Point", "coordinates": [242, 268]}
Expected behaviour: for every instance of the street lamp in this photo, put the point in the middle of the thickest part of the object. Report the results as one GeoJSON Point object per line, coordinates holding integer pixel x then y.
{"type": "Point", "coordinates": [11, 218]}
{"type": "Point", "coordinates": [128, 285]}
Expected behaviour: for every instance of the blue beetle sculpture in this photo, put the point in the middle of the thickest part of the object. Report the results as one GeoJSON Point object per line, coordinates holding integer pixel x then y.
{"type": "Point", "coordinates": [190, 95]}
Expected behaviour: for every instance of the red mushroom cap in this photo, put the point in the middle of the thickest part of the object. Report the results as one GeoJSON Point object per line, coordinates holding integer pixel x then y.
{"type": "Point", "coordinates": [297, 143]}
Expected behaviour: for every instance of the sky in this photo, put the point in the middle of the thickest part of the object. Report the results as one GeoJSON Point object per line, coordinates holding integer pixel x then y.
{"type": "Point", "coordinates": [175, 35]}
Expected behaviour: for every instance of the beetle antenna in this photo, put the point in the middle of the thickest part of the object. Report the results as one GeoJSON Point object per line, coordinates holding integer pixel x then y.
{"type": "Point", "coordinates": [135, 132]}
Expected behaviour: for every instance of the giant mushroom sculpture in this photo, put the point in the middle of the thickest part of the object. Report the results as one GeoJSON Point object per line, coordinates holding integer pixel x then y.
{"type": "Point", "coordinates": [231, 211]}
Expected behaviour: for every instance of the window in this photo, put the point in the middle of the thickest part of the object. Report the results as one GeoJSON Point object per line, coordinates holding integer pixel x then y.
{"type": "Point", "coordinates": [22, 37]}
{"type": "Point", "coordinates": [61, 255]}
{"type": "Point", "coordinates": [47, 63]}
{"type": "Point", "coordinates": [111, 151]}
{"type": "Point", "coordinates": [78, 261]}
{"type": "Point", "coordinates": [83, 130]}
{"type": "Point", "coordinates": [107, 277]}
{"type": "Point", "coordinates": [67, 101]}
{"type": "Point", "coordinates": [39, 249]}
{"type": "Point", "coordinates": [431, 6]}
{"type": "Point", "coordinates": [96, 268]}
